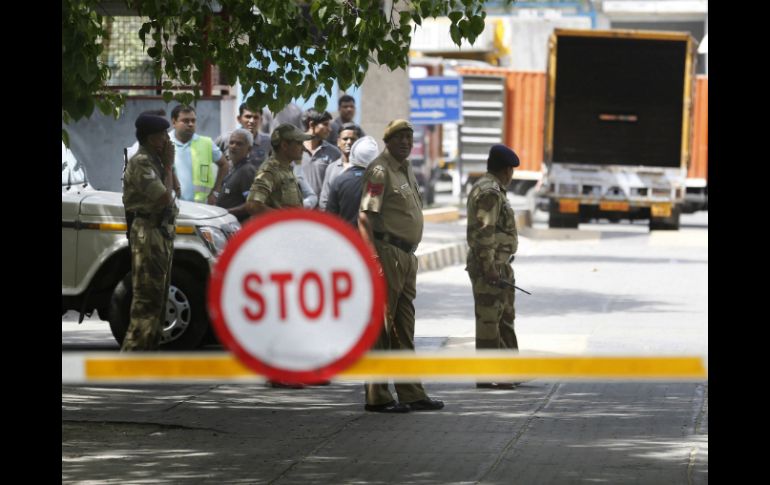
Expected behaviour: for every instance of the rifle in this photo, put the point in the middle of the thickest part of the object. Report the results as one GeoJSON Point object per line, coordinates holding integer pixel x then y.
{"type": "Point", "coordinates": [503, 283]}
{"type": "Point", "coordinates": [129, 214]}
{"type": "Point", "coordinates": [507, 284]}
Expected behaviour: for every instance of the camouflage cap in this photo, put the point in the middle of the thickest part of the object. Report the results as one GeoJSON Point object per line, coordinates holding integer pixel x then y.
{"type": "Point", "coordinates": [396, 126]}
{"type": "Point", "coordinates": [288, 132]}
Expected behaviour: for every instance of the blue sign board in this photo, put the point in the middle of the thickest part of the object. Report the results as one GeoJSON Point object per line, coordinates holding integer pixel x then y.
{"type": "Point", "coordinates": [436, 100]}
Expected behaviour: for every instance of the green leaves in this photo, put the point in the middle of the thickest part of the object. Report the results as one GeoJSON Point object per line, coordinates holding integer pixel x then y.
{"type": "Point", "coordinates": [278, 49]}
{"type": "Point", "coordinates": [320, 103]}
{"type": "Point", "coordinates": [454, 32]}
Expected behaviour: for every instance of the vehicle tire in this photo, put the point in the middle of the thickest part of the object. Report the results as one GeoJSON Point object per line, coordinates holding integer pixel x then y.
{"type": "Point", "coordinates": [186, 320]}
{"type": "Point", "coordinates": [670, 223]}
{"type": "Point", "coordinates": [558, 220]}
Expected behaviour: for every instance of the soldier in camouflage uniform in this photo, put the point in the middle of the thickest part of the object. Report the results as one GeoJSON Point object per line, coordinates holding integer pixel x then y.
{"type": "Point", "coordinates": [492, 238]}
{"type": "Point", "coordinates": [150, 212]}
{"type": "Point", "coordinates": [275, 186]}
{"type": "Point", "coordinates": [390, 221]}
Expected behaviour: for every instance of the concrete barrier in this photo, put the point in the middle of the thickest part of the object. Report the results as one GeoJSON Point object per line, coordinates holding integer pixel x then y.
{"type": "Point", "coordinates": [441, 214]}
{"type": "Point", "coordinates": [437, 258]}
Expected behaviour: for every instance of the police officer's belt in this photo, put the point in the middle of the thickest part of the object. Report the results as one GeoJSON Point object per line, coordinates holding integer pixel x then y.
{"type": "Point", "coordinates": [399, 243]}
{"type": "Point", "coordinates": [153, 218]}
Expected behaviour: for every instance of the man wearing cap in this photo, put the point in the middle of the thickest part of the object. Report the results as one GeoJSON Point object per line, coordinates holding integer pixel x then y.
{"type": "Point", "coordinates": [275, 186]}
{"type": "Point", "coordinates": [492, 239]}
{"type": "Point", "coordinates": [150, 213]}
{"type": "Point", "coordinates": [390, 221]}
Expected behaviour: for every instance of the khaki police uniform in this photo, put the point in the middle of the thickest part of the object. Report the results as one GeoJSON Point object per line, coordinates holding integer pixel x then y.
{"type": "Point", "coordinates": [275, 186]}
{"type": "Point", "coordinates": [152, 245]}
{"type": "Point", "coordinates": [492, 238]}
{"type": "Point", "coordinates": [391, 197]}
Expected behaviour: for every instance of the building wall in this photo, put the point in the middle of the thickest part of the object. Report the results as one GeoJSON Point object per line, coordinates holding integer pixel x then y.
{"type": "Point", "coordinates": [384, 97]}
{"type": "Point", "coordinates": [97, 142]}
{"type": "Point", "coordinates": [529, 40]}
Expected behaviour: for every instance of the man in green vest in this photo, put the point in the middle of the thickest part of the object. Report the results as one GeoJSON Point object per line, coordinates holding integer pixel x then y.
{"type": "Point", "coordinates": [195, 158]}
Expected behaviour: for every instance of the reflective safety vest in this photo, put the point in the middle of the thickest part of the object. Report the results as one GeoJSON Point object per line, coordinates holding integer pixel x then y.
{"type": "Point", "coordinates": [203, 176]}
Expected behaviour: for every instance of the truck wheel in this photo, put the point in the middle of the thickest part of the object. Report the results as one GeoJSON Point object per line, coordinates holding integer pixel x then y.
{"type": "Point", "coordinates": [670, 223]}
{"type": "Point", "coordinates": [557, 219]}
{"type": "Point", "coordinates": [186, 322]}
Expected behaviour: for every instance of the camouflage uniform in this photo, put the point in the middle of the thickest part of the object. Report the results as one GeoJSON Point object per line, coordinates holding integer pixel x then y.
{"type": "Point", "coordinates": [152, 246]}
{"type": "Point", "coordinates": [492, 238]}
{"type": "Point", "coordinates": [275, 186]}
{"type": "Point", "coordinates": [391, 196]}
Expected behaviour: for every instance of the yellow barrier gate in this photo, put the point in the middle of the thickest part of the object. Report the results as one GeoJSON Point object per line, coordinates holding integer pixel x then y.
{"type": "Point", "coordinates": [105, 367]}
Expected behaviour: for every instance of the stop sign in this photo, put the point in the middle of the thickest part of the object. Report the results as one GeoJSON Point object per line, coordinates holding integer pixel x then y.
{"type": "Point", "coordinates": [297, 296]}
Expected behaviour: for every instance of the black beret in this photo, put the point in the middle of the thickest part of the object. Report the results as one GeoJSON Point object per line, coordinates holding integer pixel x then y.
{"type": "Point", "coordinates": [149, 124]}
{"type": "Point", "coordinates": [503, 155]}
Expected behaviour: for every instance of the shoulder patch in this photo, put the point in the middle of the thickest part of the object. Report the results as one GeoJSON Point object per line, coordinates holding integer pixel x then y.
{"type": "Point", "coordinates": [375, 189]}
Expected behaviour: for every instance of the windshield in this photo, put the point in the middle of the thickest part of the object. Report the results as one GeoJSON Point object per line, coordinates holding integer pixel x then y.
{"type": "Point", "coordinates": [72, 172]}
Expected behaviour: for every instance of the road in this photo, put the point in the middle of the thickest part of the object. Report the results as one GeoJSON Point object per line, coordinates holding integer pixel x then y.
{"type": "Point", "coordinates": [605, 289]}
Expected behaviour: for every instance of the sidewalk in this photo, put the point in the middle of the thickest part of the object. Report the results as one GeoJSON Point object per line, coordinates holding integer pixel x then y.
{"type": "Point", "coordinates": [541, 432]}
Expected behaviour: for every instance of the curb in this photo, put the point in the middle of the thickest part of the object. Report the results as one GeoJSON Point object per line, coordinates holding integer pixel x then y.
{"type": "Point", "coordinates": [456, 253]}
{"type": "Point", "coordinates": [447, 255]}
{"type": "Point", "coordinates": [441, 214]}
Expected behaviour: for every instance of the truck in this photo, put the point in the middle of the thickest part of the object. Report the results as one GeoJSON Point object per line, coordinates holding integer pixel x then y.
{"type": "Point", "coordinates": [618, 126]}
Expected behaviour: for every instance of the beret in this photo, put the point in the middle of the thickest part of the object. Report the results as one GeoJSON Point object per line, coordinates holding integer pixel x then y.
{"type": "Point", "coordinates": [395, 126]}
{"type": "Point", "coordinates": [149, 124]}
{"type": "Point", "coordinates": [503, 155]}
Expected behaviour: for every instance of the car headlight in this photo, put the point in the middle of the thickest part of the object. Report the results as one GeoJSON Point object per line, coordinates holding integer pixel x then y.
{"type": "Point", "coordinates": [231, 229]}
{"type": "Point", "coordinates": [214, 238]}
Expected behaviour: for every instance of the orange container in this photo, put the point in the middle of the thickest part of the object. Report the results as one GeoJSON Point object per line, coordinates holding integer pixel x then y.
{"type": "Point", "coordinates": [700, 136]}
{"type": "Point", "coordinates": [525, 106]}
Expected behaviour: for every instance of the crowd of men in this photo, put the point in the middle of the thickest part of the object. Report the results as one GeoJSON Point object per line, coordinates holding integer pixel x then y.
{"type": "Point", "coordinates": [327, 165]}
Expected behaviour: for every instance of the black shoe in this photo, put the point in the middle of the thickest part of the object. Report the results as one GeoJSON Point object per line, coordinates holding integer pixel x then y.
{"type": "Point", "coordinates": [497, 385]}
{"type": "Point", "coordinates": [285, 385]}
{"type": "Point", "coordinates": [322, 383]}
{"type": "Point", "coordinates": [388, 407]}
{"type": "Point", "coordinates": [426, 404]}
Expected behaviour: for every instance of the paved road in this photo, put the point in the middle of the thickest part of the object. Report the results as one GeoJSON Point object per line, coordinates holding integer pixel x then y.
{"type": "Point", "coordinates": [606, 289]}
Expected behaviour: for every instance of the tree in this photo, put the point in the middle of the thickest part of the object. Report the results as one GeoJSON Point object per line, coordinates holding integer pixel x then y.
{"type": "Point", "coordinates": [279, 49]}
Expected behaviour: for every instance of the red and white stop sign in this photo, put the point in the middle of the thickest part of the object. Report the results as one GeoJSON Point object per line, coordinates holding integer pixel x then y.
{"type": "Point", "coordinates": [297, 296]}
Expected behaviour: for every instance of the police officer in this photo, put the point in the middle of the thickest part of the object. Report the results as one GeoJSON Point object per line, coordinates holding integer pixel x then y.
{"type": "Point", "coordinates": [275, 186]}
{"type": "Point", "coordinates": [390, 221]}
{"type": "Point", "coordinates": [492, 239]}
{"type": "Point", "coordinates": [151, 213]}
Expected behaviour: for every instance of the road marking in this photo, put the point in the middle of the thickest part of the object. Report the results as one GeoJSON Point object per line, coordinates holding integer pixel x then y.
{"type": "Point", "coordinates": [398, 366]}
{"type": "Point", "coordinates": [681, 238]}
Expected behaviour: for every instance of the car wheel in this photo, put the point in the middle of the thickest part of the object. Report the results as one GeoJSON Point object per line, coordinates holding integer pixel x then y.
{"type": "Point", "coordinates": [186, 322]}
